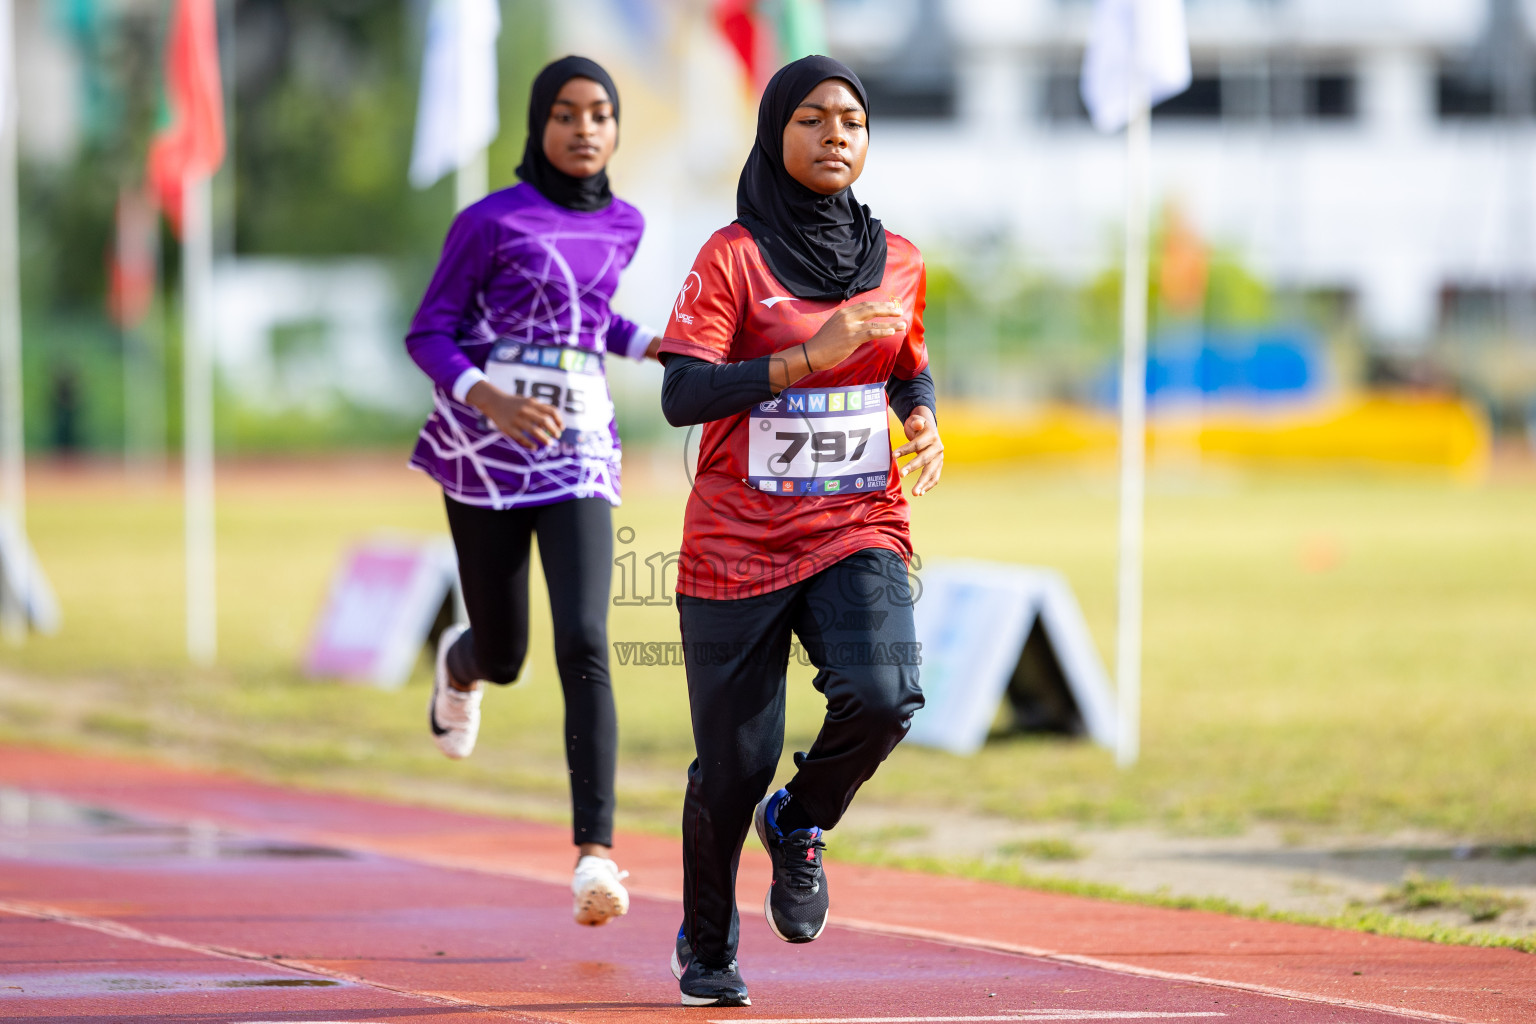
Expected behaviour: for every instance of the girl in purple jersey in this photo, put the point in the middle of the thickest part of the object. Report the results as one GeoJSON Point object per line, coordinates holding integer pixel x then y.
{"type": "Point", "coordinates": [514, 330]}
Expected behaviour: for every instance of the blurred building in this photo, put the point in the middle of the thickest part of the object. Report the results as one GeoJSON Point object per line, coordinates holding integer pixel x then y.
{"type": "Point", "coordinates": [1364, 149]}
{"type": "Point", "coordinates": [296, 334]}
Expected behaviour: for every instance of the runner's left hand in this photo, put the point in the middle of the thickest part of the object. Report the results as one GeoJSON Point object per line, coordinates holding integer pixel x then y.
{"type": "Point", "coordinates": [923, 440]}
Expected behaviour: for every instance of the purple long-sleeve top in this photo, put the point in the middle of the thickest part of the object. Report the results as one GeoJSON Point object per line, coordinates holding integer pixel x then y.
{"type": "Point", "coordinates": [521, 282]}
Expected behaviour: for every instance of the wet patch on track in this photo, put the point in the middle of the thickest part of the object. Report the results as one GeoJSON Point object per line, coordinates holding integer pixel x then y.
{"type": "Point", "coordinates": [71, 983]}
{"type": "Point", "coordinates": [49, 828]}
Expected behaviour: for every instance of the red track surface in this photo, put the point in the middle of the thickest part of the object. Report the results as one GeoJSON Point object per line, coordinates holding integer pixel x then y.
{"type": "Point", "coordinates": [249, 902]}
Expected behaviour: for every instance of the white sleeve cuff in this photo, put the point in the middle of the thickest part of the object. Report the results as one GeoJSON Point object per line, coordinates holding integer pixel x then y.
{"type": "Point", "coordinates": [641, 341]}
{"type": "Point", "coordinates": [468, 379]}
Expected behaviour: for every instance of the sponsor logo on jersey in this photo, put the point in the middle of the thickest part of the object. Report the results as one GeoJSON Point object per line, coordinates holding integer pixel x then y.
{"type": "Point", "coordinates": [797, 403]}
{"type": "Point", "coordinates": [550, 357]}
{"type": "Point", "coordinates": [692, 285]}
{"type": "Point", "coordinates": [770, 405]}
{"type": "Point", "coordinates": [835, 402]}
{"type": "Point", "coordinates": [871, 397]}
{"type": "Point", "coordinates": [858, 482]}
{"type": "Point", "coordinates": [855, 401]}
{"type": "Point", "coordinates": [818, 402]}
{"type": "Point", "coordinates": [768, 485]}
{"type": "Point", "coordinates": [774, 300]}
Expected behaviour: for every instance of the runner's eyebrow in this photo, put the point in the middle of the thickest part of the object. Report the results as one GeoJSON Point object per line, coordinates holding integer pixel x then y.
{"type": "Point", "coordinates": [852, 108]}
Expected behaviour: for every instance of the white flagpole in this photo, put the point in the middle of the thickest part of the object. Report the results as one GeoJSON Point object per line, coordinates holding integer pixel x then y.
{"type": "Point", "coordinates": [197, 417]}
{"type": "Point", "coordinates": [1133, 419]}
{"type": "Point", "coordinates": [13, 478]}
{"type": "Point", "coordinates": [472, 179]}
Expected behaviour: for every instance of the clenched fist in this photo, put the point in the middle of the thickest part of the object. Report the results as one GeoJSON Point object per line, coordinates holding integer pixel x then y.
{"type": "Point", "coordinates": [843, 333]}
{"type": "Point", "coordinates": [524, 421]}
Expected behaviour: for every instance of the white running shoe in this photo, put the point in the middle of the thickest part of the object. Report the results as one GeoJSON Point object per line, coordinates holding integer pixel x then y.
{"type": "Point", "coordinates": [454, 715]}
{"type": "Point", "coordinates": [599, 892]}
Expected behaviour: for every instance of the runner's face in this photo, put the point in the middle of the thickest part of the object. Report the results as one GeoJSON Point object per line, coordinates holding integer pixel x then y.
{"type": "Point", "coordinates": [581, 131]}
{"type": "Point", "coordinates": [826, 139]}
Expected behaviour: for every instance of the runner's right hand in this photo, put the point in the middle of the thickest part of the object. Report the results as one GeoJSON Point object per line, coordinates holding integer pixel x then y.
{"type": "Point", "coordinates": [851, 327]}
{"type": "Point", "coordinates": [524, 421]}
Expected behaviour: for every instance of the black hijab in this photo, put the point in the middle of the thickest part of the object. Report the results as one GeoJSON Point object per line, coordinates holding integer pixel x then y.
{"type": "Point", "coordinates": [819, 247]}
{"type": "Point", "coordinates": [591, 193]}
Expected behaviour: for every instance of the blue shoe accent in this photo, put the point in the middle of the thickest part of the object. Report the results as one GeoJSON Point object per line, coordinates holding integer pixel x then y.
{"type": "Point", "coordinates": [771, 810]}
{"type": "Point", "coordinates": [682, 954]}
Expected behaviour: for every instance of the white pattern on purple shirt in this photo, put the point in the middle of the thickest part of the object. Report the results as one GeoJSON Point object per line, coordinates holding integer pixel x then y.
{"type": "Point", "coordinates": [517, 267]}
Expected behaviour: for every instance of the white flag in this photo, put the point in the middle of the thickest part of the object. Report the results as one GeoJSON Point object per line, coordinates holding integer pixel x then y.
{"type": "Point", "coordinates": [456, 115]}
{"type": "Point", "coordinates": [1128, 35]}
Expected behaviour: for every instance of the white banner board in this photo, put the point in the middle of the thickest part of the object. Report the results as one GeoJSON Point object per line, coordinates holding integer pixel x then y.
{"type": "Point", "coordinates": [973, 620]}
{"type": "Point", "coordinates": [383, 601]}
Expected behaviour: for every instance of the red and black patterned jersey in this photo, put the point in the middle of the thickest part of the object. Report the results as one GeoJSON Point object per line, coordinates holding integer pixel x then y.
{"type": "Point", "coordinates": [739, 541]}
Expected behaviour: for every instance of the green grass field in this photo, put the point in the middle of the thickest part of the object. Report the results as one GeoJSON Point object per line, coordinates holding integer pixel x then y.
{"type": "Point", "coordinates": [1340, 650]}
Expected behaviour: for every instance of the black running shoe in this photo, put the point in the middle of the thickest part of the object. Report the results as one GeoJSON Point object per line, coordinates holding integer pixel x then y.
{"type": "Point", "coordinates": [797, 903]}
{"type": "Point", "coordinates": [712, 986]}
{"type": "Point", "coordinates": [681, 954]}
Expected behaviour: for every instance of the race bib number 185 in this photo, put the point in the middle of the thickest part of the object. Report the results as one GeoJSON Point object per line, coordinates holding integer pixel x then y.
{"type": "Point", "coordinates": [569, 379]}
{"type": "Point", "coordinates": [820, 441]}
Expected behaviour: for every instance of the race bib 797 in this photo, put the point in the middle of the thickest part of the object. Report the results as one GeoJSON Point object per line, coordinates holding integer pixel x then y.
{"type": "Point", "coordinates": [820, 441]}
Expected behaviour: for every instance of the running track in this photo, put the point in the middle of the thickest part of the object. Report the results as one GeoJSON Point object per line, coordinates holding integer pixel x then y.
{"type": "Point", "coordinates": [209, 898]}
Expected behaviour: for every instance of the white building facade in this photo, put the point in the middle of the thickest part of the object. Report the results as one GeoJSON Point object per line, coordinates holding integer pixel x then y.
{"type": "Point", "coordinates": [1346, 146]}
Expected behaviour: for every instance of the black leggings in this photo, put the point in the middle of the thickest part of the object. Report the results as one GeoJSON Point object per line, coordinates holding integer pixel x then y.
{"type": "Point", "coordinates": [854, 619]}
{"type": "Point", "coordinates": [576, 549]}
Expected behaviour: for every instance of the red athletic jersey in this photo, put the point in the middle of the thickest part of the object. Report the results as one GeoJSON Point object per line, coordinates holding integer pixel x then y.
{"type": "Point", "coordinates": [739, 541]}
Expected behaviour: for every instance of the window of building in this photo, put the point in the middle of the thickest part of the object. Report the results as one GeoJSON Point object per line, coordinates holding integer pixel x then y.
{"type": "Point", "coordinates": [1331, 97]}
{"type": "Point", "coordinates": [1239, 95]}
{"type": "Point", "coordinates": [1459, 95]}
{"type": "Point", "coordinates": [1201, 101]}
{"type": "Point", "coordinates": [906, 99]}
{"type": "Point", "coordinates": [1061, 97]}
{"type": "Point", "coordinates": [1468, 310]}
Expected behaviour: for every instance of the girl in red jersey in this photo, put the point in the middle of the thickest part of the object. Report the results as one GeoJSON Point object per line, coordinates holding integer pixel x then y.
{"type": "Point", "coordinates": [798, 325]}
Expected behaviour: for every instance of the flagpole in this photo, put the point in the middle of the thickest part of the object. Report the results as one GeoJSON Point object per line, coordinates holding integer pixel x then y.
{"type": "Point", "coordinates": [143, 390]}
{"type": "Point", "coordinates": [1133, 417]}
{"type": "Point", "coordinates": [197, 416]}
{"type": "Point", "coordinates": [13, 479]}
{"type": "Point", "coordinates": [472, 180]}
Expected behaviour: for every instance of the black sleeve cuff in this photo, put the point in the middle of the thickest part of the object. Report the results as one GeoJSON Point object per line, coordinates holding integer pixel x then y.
{"type": "Point", "coordinates": [906, 395]}
{"type": "Point", "coordinates": [696, 391]}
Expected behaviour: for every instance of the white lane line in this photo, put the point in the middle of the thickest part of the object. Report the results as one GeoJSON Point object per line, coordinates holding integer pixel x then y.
{"type": "Point", "coordinates": [1117, 967]}
{"type": "Point", "coordinates": [106, 926]}
{"type": "Point", "coordinates": [1023, 1015]}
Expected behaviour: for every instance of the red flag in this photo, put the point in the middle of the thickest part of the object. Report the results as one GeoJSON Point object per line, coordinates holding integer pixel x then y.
{"type": "Point", "coordinates": [737, 23]}
{"type": "Point", "coordinates": [132, 262]}
{"type": "Point", "coordinates": [193, 142]}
